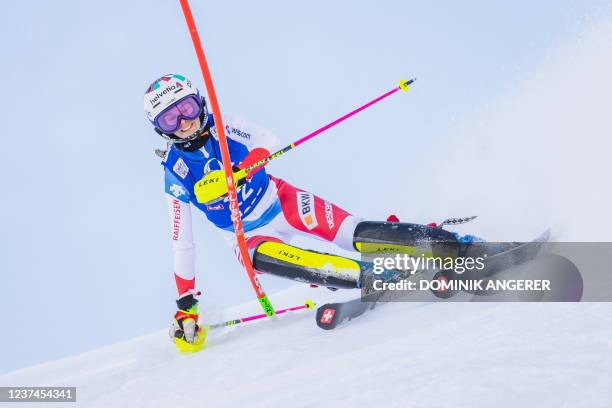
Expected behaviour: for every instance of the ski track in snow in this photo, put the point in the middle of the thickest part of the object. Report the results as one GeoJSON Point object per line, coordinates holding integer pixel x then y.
{"type": "Point", "coordinates": [401, 355]}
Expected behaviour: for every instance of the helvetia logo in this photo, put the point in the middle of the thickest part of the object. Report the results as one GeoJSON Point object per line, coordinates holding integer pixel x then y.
{"type": "Point", "coordinates": [168, 89]}
{"type": "Point", "coordinates": [306, 209]}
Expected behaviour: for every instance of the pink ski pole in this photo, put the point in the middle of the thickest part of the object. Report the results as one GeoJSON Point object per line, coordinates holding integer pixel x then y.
{"type": "Point", "coordinates": [309, 304]}
{"type": "Point", "coordinates": [403, 85]}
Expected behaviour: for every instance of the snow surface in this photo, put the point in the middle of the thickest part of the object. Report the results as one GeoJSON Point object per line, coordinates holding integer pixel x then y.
{"type": "Point", "coordinates": [418, 354]}
{"type": "Point", "coordinates": [400, 355]}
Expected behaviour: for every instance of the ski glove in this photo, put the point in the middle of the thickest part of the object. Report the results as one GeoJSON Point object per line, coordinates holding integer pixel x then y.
{"type": "Point", "coordinates": [186, 333]}
{"type": "Point", "coordinates": [213, 186]}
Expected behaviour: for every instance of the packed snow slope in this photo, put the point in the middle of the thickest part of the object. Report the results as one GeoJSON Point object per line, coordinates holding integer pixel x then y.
{"type": "Point", "coordinates": [539, 157]}
{"type": "Point", "coordinates": [403, 355]}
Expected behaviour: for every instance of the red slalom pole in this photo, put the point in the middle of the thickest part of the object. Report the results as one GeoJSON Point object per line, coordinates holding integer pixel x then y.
{"type": "Point", "coordinates": [227, 162]}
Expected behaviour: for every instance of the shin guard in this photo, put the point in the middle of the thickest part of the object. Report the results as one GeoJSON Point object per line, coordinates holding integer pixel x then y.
{"type": "Point", "coordinates": [373, 237]}
{"type": "Point", "coordinates": [280, 259]}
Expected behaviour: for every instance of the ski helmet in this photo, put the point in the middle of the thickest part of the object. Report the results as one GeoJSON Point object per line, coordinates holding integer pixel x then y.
{"type": "Point", "coordinates": [166, 92]}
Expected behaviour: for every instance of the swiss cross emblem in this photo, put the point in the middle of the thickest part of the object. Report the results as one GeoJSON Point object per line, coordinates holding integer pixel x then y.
{"type": "Point", "coordinates": [327, 316]}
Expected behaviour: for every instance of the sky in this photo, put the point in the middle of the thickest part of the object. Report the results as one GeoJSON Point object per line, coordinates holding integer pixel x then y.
{"type": "Point", "coordinates": [86, 253]}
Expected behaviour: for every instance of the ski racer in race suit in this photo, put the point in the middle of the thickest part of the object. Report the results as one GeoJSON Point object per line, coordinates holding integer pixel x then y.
{"type": "Point", "coordinates": [273, 211]}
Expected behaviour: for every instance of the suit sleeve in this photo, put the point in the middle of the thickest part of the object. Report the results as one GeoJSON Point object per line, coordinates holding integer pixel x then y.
{"type": "Point", "coordinates": [183, 248]}
{"type": "Point", "coordinates": [251, 135]}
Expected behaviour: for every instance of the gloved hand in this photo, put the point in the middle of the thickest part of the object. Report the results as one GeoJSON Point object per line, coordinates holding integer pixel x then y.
{"type": "Point", "coordinates": [213, 186]}
{"type": "Point", "coordinates": [187, 334]}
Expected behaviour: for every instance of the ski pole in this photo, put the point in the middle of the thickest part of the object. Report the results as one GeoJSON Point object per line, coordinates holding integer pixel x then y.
{"type": "Point", "coordinates": [403, 85]}
{"type": "Point", "coordinates": [309, 304]}
{"type": "Point", "coordinates": [243, 254]}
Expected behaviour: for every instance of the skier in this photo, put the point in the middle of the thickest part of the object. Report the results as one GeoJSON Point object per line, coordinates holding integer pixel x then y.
{"type": "Point", "coordinates": [273, 211]}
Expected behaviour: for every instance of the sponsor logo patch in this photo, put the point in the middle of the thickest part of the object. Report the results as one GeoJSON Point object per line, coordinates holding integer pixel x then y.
{"type": "Point", "coordinates": [289, 255]}
{"type": "Point", "coordinates": [155, 101]}
{"type": "Point", "coordinates": [306, 210]}
{"type": "Point", "coordinates": [329, 215]}
{"type": "Point", "coordinates": [180, 168]}
{"type": "Point", "coordinates": [238, 132]}
{"type": "Point", "coordinates": [176, 220]}
{"type": "Point", "coordinates": [215, 207]}
{"type": "Point", "coordinates": [328, 316]}
{"type": "Point", "coordinates": [177, 190]}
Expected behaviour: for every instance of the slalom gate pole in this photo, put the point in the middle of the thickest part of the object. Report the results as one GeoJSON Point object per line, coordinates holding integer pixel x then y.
{"type": "Point", "coordinates": [403, 85]}
{"type": "Point", "coordinates": [243, 256]}
{"type": "Point", "coordinates": [309, 304]}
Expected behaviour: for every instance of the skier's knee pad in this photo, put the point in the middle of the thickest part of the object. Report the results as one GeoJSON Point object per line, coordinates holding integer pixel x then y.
{"type": "Point", "coordinates": [412, 239]}
{"type": "Point", "coordinates": [280, 259]}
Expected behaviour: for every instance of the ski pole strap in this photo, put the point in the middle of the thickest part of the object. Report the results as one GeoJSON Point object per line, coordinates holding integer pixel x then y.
{"type": "Point", "coordinates": [309, 304]}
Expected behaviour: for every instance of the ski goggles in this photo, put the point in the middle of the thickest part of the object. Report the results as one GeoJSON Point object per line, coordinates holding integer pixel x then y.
{"type": "Point", "coordinates": [169, 120]}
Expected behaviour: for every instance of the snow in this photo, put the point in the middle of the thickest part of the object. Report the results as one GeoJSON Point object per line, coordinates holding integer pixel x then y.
{"type": "Point", "coordinates": [408, 354]}
{"type": "Point", "coordinates": [415, 354]}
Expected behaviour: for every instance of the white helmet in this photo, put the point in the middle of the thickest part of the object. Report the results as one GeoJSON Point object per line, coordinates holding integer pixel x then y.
{"type": "Point", "coordinates": [164, 91]}
{"type": "Point", "coordinates": [168, 91]}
